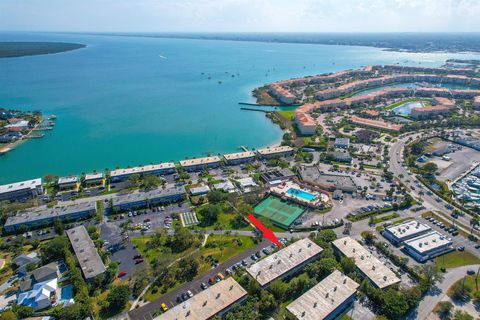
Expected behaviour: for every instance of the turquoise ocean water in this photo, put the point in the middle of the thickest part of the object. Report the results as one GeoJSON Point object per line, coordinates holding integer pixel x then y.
{"type": "Point", "coordinates": [133, 100]}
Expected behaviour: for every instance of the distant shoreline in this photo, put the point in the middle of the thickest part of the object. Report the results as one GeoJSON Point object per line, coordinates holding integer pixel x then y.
{"type": "Point", "coordinates": [398, 42]}
{"type": "Point", "coordinates": [22, 49]}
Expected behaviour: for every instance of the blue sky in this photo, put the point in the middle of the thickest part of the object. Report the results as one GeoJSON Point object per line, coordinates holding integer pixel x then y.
{"type": "Point", "coordinates": [241, 15]}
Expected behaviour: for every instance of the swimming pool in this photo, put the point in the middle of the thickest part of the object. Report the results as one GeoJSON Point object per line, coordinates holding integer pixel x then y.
{"type": "Point", "coordinates": [301, 194]}
{"type": "Point", "coordinates": [66, 293]}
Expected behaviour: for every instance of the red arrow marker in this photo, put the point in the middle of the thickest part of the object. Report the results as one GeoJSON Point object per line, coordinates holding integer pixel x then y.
{"type": "Point", "coordinates": [267, 233]}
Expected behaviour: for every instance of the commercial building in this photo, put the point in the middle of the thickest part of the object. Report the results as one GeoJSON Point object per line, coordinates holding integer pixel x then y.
{"type": "Point", "coordinates": [275, 152]}
{"type": "Point", "coordinates": [21, 190]}
{"type": "Point", "coordinates": [330, 182]}
{"type": "Point", "coordinates": [94, 179]}
{"type": "Point", "coordinates": [119, 175]}
{"type": "Point", "coordinates": [215, 300]}
{"type": "Point", "coordinates": [200, 163]}
{"type": "Point", "coordinates": [327, 300]}
{"type": "Point", "coordinates": [144, 199]}
{"type": "Point", "coordinates": [340, 156]}
{"type": "Point", "coordinates": [367, 264]}
{"type": "Point", "coordinates": [284, 262]}
{"type": "Point", "coordinates": [428, 246]}
{"type": "Point", "coordinates": [405, 231]}
{"type": "Point", "coordinates": [239, 157]}
{"type": "Point", "coordinates": [68, 183]}
{"type": "Point", "coordinates": [46, 216]}
{"type": "Point", "coordinates": [86, 252]}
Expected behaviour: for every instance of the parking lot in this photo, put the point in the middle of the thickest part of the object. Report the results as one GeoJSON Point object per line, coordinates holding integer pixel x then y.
{"type": "Point", "coordinates": [147, 311]}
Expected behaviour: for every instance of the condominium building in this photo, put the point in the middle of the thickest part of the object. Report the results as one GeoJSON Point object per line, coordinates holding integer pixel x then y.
{"type": "Point", "coordinates": [367, 264]}
{"type": "Point", "coordinates": [284, 262]}
{"type": "Point", "coordinates": [46, 216]}
{"type": "Point", "coordinates": [275, 152]}
{"type": "Point", "coordinates": [119, 175]}
{"type": "Point", "coordinates": [239, 157]}
{"type": "Point", "coordinates": [21, 190]}
{"type": "Point", "coordinates": [86, 252]}
{"type": "Point", "coordinates": [200, 163]}
{"type": "Point", "coordinates": [327, 300]}
{"type": "Point", "coordinates": [215, 300]}
{"type": "Point", "coordinates": [68, 183]}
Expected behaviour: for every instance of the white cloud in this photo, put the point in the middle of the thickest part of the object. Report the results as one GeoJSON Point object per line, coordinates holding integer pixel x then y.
{"type": "Point", "coordinates": [241, 15]}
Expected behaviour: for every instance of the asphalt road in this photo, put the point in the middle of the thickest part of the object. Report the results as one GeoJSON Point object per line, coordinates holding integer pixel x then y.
{"type": "Point", "coordinates": [435, 295]}
{"type": "Point", "coordinates": [146, 312]}
{"type": "Point", "coordinates": [430, 201]}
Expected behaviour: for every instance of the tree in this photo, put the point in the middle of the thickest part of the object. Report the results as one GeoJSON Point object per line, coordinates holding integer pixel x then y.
{"type": "Point", "coordinates": [430, 276]}
{"type": "Point", "coordinates": [430, 168]}
{"type": "Point", "coordinates": [54, 249]}
{"type": "Point", "coordinates": [118, 297]}
{"type": "Point", "coordinates": [462, 315]}
{"type": "Point", "coordinates": [76, 311]}
{"type": "Point", "coordinates": [58, 227]}
{"type": "Point", "coordinates": [22, 311]}
{"type": "Point", "coordinates": [394, 304]}
{"type": "Point", "coordinates": [279, 289]}
{"type": "Point", "coordinates": [134, 180]}
{"type": "Point", "coordinates": [181, 240]}
{"type": "Point", "coordinates": [327, 235]}
{"type": "Point", "coordinates": [348, 265]}
{"type": "Point", "coordinates": [209, 215]}
{"type": "Point", "coordinates": [445, 309]}
{"type": "Point", "coordinates": [321, 268]}
{"type": "Point", "coordinates": [267, 303]}
{"type": "Point", "coordinates": [215, 196]}
{"type": "Point", "coordinates": [150, 182]}
{"type": "Point", "coordinates": [8, 315]}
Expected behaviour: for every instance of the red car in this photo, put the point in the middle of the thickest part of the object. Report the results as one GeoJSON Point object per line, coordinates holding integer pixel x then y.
{"type": "Point", "coordinates": [121, 274]}
{"type": "Point", "coordinates": [211, 281]}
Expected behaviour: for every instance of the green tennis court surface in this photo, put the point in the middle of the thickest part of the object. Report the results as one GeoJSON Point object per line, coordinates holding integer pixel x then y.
{"type": "Point", "coordinates": [280, 213]}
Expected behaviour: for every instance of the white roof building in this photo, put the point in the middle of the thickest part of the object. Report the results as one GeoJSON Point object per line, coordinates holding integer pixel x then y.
{"type": "Point", "coordinates": [225, 186]}
{"type": "Point", "coordinates": [285, 261]}
{"type": "Point", "coordinates": [405, 230]}
{"type": "Point", "coordinates": [204, 305]}
{"type": "Point", "coordinates": [326, 299]}
{"type": "Point", "coordinates": [195, 191]}
{"type": "Point", "coordinates": [269, 151]}
{"type": "Point", "coordinates": [428, 246]}
{"type": "Point", "coordinates": [372, 268]}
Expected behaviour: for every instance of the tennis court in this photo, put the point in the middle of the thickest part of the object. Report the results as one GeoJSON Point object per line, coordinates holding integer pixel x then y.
{"type": "Point", "coordinates": [279, 212]}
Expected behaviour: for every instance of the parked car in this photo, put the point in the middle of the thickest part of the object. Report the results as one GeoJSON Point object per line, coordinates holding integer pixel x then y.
{"type": "Point", "coordinates": [122, 274]}
{"type": "Point", "coordinates": [470, 272]}
{"type": "Point", "coordinates": [139, 261]}
{"type": "Point", "coordinates": [164, 307]}
{"type": "Point", "coordinates": [204, 285]}
{"type": "Point", "coordinates": [190, 294]}
{"type": "Point", "coordinates": [461, 248]}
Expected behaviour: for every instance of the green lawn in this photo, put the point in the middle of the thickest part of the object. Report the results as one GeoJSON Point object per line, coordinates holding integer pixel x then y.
{"type": "Point", "coordinates": [223, 247]}
{"type": "Point", "coordinates": [149, 254]}
{"type": "Point", "coordinates": [456, 259]}
{"type": "Point", "coordinates": [386, 218]}
{"type": "Point", "coordinates": [287, 114]}
{"type": "Point", "coordinates": [225, 220]}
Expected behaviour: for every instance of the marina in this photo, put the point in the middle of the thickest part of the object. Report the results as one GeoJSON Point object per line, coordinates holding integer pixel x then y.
{"type": "Point", "coordinates": [467, 189]}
